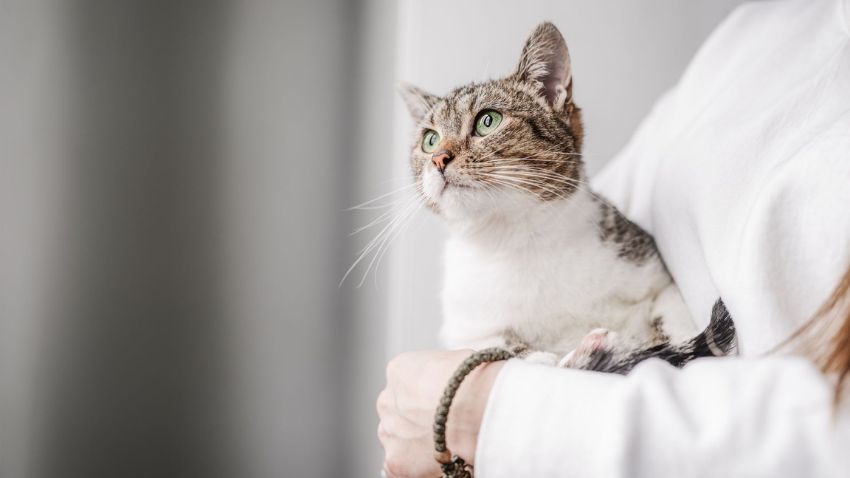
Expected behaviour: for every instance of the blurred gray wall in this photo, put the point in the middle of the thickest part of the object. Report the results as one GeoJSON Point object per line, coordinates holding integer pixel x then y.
{"type": "Point", "coordinates": [111, 136]}
{"type": "Point", "coordinates": [173, 176]}
{"type": "Point", "coordinates": [309, 89]}
{"type": "Point", "coordinates": [172, 179]}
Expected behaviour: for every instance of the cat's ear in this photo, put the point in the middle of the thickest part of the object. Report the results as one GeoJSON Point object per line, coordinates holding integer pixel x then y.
{"type": "Point", "coordinates": [545, 61]}
{"type": "Point", "coordinates": [418, 101]}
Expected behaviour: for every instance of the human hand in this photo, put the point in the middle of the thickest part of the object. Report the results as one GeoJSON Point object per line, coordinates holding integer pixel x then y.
{"type": "Point", "coordinates": [406, 407]}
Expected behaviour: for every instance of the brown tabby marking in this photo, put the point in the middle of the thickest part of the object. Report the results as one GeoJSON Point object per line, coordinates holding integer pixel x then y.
{"type": "Point", "coordinates": [634, 244]}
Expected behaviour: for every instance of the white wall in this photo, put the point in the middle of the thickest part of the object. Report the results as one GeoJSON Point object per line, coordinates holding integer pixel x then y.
{"type": "Point", "coordinates": [625, 54]}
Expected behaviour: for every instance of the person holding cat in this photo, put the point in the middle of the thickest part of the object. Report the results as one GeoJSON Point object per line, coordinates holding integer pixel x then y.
{"type": "Point", "coordinates": [741, 175]}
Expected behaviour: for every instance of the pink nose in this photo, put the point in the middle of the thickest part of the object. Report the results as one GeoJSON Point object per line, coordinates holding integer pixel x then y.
{"type": "Point", "coordinates": [441, 159]}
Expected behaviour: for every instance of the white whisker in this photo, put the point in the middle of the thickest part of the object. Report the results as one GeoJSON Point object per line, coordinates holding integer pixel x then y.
{"type": "Point", "coordinates": [382, 196]}
{"type": "Point", "coordinates": [380, 237]}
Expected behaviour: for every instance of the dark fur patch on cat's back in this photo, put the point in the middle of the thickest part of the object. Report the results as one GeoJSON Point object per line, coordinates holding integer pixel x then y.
{"type": "Point", "coordinates": [633, 243]}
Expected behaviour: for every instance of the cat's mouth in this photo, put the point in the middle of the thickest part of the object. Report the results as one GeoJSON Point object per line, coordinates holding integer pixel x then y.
{"type": "Point", "coordinates": [448, 183]}
{"type": "Point", "coordinates": [453, 185]}
{"type": "Point", "coordinates": [438, 187]}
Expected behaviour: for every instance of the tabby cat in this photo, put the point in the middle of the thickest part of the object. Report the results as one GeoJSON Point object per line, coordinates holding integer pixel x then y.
{"type": "Point", "coordinates": [535, 259]}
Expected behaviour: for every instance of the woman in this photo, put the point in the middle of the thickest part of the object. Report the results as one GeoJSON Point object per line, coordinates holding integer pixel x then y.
{"type": "Point", "coordinates": [742, 173]}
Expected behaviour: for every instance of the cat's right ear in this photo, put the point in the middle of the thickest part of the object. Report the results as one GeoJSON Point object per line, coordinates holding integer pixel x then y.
{"type": "Point", "coordinates": [418, 101]}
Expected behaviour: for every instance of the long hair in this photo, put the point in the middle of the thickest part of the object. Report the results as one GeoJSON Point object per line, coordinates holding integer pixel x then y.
{"type": "Point", "coordinates": [825, 338]}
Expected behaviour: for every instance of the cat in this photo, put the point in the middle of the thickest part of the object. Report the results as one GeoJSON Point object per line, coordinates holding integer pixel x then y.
{"type": "Point", "coordinates": [536, 260]}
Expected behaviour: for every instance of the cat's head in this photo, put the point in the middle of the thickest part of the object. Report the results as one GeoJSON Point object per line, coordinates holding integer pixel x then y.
{"type": "Point", "coordinates": [501, 144]}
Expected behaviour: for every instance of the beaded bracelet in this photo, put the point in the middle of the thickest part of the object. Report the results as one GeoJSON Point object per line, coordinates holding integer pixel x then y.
{"type": "Point", "coordinates": [454, 466]}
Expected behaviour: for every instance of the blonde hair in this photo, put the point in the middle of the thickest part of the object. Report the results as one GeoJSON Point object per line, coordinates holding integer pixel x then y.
{"type": "Point", "coordinates": [825, 338]}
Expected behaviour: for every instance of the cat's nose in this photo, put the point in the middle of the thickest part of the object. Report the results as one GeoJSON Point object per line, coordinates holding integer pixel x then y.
{"type": "Point", "coordinates": [442, 158]}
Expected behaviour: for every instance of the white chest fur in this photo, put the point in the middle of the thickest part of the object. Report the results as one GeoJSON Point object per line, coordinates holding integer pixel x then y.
{"type": "Point", "coordinates": [547, 276]}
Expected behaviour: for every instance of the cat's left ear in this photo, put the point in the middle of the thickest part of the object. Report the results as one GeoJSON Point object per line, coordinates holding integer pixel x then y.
{"type": "Point", "coordinates": [418, 101]}
{"type": "Point", "coordinates": [545, 60]}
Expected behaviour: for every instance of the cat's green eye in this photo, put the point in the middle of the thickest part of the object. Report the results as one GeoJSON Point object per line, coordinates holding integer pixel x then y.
{"type": "Point", "coordinates": [430, 141]}
{"type": "Point", "coordinates": [487, 121]}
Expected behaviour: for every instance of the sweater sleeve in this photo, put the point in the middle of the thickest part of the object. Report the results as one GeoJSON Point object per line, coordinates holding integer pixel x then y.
{"type": "Point", "coordinates": [714, 418]}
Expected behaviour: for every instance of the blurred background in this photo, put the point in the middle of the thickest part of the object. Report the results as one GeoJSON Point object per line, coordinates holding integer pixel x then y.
{"type": "Point", "coordinates": [174, 179]}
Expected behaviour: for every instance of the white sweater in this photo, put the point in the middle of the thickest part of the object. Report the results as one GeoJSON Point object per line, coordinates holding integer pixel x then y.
{"type": "Point", "coordinates": [742, 173]}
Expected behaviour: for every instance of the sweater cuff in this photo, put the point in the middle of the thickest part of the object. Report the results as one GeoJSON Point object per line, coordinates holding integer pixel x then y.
{"type": "Point", "coordinates": [547, 421]}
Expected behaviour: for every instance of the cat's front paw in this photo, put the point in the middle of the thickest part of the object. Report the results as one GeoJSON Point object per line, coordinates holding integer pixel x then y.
{"type": "Point", "coordinates": [598, 340]}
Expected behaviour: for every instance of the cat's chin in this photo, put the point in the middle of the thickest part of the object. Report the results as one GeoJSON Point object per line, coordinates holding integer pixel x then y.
{"type": "Point", "coordinates": [464, 201]}
{"type": "Point", "coordinates": [471, 204]}
{"type": "Point", "coordinates": [436, 186]}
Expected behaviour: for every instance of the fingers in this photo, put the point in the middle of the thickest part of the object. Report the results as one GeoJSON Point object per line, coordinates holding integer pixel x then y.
{"type": "Point", "coordinates": [397, 465]}
{"type": "Point", "coordinates": [397, 459]}
{"type": "Point", "coordinates": [383, 404]}
{"type": "Point", "coordinates": [393, 469]}
{"type": "Point", "coordinates": [406, 408]}
{"type": "Point", "coordinates": [390, 471]}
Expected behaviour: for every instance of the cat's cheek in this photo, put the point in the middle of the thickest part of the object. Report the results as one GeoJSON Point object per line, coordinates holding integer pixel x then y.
{"type": "Point", "coordinates": [432, 184]}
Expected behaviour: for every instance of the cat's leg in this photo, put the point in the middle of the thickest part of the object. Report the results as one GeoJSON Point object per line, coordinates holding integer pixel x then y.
{"type": "Point", "coordinates": [671, 318]}
{"type": "Point", "coordinates": [522, 350]}
{"type": "Point", "coordinates": [505, 340]}
{"type": "Point", "coordinates": [478, 343]}
{"type": "Point", "coordinates": [598, 340]}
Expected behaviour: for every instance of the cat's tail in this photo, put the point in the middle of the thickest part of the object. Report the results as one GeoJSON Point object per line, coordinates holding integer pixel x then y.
{"type": "Point", "coordinates": [717, 340]}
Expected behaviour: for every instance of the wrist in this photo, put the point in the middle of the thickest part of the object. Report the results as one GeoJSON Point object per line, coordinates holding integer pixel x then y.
{"type": "Point", "coordinates": [467, 411]}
